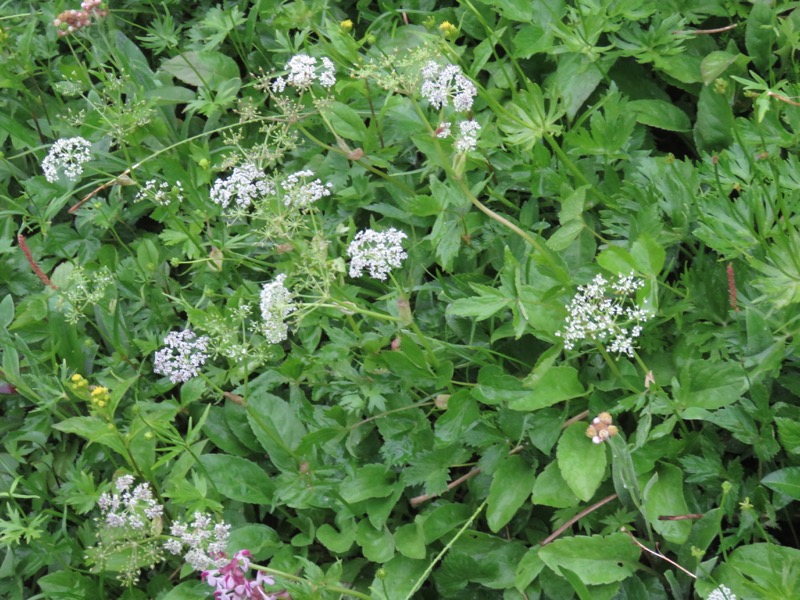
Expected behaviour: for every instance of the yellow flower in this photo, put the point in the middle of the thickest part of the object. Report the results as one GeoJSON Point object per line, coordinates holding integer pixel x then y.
{"type": "Point", "coordinates": [346, 25]}
{"type": "Point", "coordinates": [449, 30]}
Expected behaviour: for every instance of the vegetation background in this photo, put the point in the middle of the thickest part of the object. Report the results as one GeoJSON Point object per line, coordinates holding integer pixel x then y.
{"type": "Point", "coordinates": [482, 299]}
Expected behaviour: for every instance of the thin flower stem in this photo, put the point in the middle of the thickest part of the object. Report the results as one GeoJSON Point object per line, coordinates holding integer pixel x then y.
{"type": "Point", "coordinates": [444, 550]}
{"type": "Point", "coordinates": [659, 555]}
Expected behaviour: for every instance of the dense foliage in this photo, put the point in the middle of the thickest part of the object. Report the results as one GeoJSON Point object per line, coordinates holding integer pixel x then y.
{"type": "Point", "coordinates": [487, 299]}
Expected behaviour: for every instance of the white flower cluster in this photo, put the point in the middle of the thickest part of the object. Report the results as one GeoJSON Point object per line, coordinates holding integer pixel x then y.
{"type": "Point", "coordinates": [721, 593]}
{"type": "Point", "coordinates": [182, 356]}
{"type": "Point", "coordinates": [302, 71]}
{"type": "Point", "coordinates": [376, 251]}
{"type": "Point", "coordinates": [205, 542]}
{"type": "Point", "coordinates": [160, 193]}
{"type": "Point", "coordinates": [605, 312]}
{"type": "Point", "coordinates": [130, 508]}
{"type": "Point", "coordinates": [468, 139]}
{"type": "Point", "coordinates": [443, 83]}
{"type": "Point", "coordinates": [67, 157]}
{"type": "Point", "coordinates": [276, 306]}
{"type": "Point", "coordinates": [245, 184]}
{"type": "Point", "coordinates": [300, 193]}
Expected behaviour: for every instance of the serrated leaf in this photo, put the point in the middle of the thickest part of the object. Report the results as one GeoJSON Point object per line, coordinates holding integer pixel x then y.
{"type": "Point", "coordinates": [596, 559]}
{"type": "Point", "coordinates": [511, 487]}
{"type": "Point", "coordinates": [789, 434]}
{"type": "Point", "coordinates": [277, 427]}
{"type": "Point", "coordinates": [715, 64]}
{"type": "Point", "coordinates": [581, 462]}
{"type": "Point", "coordinates": [555, 385]}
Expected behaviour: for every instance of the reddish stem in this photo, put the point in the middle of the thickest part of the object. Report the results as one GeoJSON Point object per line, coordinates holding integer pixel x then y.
{"type": "Point", "coordinates": [34, 265]}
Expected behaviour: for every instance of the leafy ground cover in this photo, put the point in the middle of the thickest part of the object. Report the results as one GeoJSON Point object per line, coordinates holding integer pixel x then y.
{"type": "Point", "coordinates": [487, 299]}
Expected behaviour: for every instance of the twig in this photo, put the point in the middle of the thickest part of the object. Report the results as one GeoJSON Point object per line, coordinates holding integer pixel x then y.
{"type": "Point", "coordinates": [121, 179]}
{"type": "Point", "coordinates": [680, 517]}
{"type": "Point", "coordinates": [659, 555]}
{"type": "Point", "coordinates": [576, 518]}
{"type": "Point", "coordinates": [704, 31]}
{"type": "Point", "coordinates": [782, 98]}
{"type": "Point", "coordinates": [417, 500]}
{"type": "Point", "coordinates": [34, 265]}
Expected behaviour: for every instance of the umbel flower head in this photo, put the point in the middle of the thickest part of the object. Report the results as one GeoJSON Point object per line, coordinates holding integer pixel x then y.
{"type": "Point", "coordinates": [377, 252]}
{"type": "Point", "coordinates": [722, 592]}
{"type": "Point", "coordinates": [444, 83]}
{"type": "Point", "coordinates": [245, 184]}
{"type": "Point", "coordinates": [276, 306]}
{"type": "Point", "coordinates": [299, 191]}
{"type": "Point", "coordinates": [66, 157]}
{"type": "Point", "coordinates": [202, 541]}
{"type": "Point", "coordinates": [302, 71]}
{"type": "Point", "coordinates": [182, 356]}
{"type": "Point", "coordinates": [607, 313]}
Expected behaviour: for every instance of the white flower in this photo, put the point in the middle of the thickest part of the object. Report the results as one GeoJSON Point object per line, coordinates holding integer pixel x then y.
{"type": "Point", "coordinates": [299, 193]}
{"type": "Point", "coordinates": [183, 355]}
{"type": "Point", "coordinates": [443, 131]}
{"type": "Point", "coordinates": [721, 593]}
{"type": "Point", "coordinates": [468, 139]}
{"type": "Point", "coordinates": [206, 543]}
{"type": "Point", "coordinates": [377, 252]}
{"type": "Point", "coordinates": [443, 83]}
{"type": "Point", "coordinates": [67, 156]}
{"type": "Point", "coordinates": [302, 72]}
{"type": "Point", "coordinates": [276, 306]}
{"type": "Point", "coordinates": [160, 193]}
{"type": "Point", "coordinates": [245, 184]}
{"type": "Point", "coordinates": [605, 312]}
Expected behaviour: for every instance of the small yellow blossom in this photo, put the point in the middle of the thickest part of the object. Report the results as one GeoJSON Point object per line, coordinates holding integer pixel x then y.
{"type": "Point", "coordinates": [346, 25]}
{"type": "Point", "coordinates": [449, 30]}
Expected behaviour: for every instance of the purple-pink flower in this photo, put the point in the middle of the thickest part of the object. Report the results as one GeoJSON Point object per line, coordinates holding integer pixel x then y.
{"type": "Point", "coordinates": [230, 582]}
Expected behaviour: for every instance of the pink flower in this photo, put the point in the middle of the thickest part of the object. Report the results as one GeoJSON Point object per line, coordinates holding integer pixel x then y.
{"type": "Point", "coordinates": [231, 582]}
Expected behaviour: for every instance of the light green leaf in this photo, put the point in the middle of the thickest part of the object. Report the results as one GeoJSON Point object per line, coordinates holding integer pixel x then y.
{"type": "Point", "coordinates": [789, 434]}
{"type": "Point", "coordinates": [710, 385]}
{"type": "Point", "coordinates": [370, 481]}
{"type": "Point", "coordinates": [550, 489]}
{"type": "Point", "coordinates": [511, 487]}
{"type": "Point", "coordinates": [338, 542]}
{"type": "Point", "coordinates": [786, 481]}
{"type": "Point", "coordinates": [276, 426]}
{"type": "Point", "coordinates": [713, 129]}
{"type": "Point", "coordinates": [410, 540]}
{"type": "Point", "coordinates": [763, 571]}
{"type": "Point", "coordinates": [238, 478]}
{"type": "Point", "coordinates": [555, 385]}
{"type": "Point", "coordinates": [479, 307]}
{"type": "Point", "coordinates": [664, 497]}
{"type": "Point", "coordinates": [715, 64]}
{"type": "Point", "coordinates": [581, 462]}
{"type": "Point", "coordinates": [596, 559]}
{"type": "Point", "coordinates": [202, 69]}
{"type": "Point", "coordinates": [376, 544]}
{"type": "Point", "coordinates": [345, 121]}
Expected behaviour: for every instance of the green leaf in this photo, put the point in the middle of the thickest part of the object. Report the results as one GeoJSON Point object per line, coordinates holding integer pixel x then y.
{"type": "Point", "coordinates": [786, 481]}
{"type": "Point", "coordinates": [648, 254]}
{"type": "Point", "coordinates": [660, 114]}
{"type": "Point", "coordinates": [410, 540]}
{"type": "Point", "coordinates": [96, 430]}
{"type": "Point", "coordinates": [238, 479]}
{"type": "Point", "coordinates": [345, 121]}
{"type": "Point", "coordinates": [763, 571]}
{"type": "Point", "coordinates": [715, 64]}
{"type": "Point", "coordinates": [789, 434]}
{"type": "Point", "coordinates": [550, 489]}
{"type": "Point", "coordinates": [710, 385]}
{"type": "Point", "coordinates": [370, 481]}
{"type": "Point", "coordinates": [202, 69]}
{"type": "Point", "coordinates": [338, 542]}
{"type": "Point", "coordinates": [596, 559]}
{"type": "Point", "coordinates": [480, 307]}
{"type": "Point", "coordinates": [6, 311]}
{"type": "Point", "coordinates": [376, 544]}
{"type": "Point", "coordinates": [188, 590]}
{"type": "Point", "coordinates": [664, 497]}
{"type": "Point", "coordinates": [528, 569]}
{"type": "Point", "coordinates": [511, 487]}
{"type": "Point", "coordinates": [555, 385]}
{"type": "Point", "coordinates": [277, 427]}
{"type": "Point", "coordinates": [582, 463]}
{"type": "Point", "coordinates": [713, 130]}
{"type": "Point", "coordinates": [616, 260]}
{"type": "Point", "coordinates": [760, 35]}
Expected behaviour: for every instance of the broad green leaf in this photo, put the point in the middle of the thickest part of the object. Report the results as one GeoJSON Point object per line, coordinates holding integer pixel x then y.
{"type": "Point", "coordinates": [338, 542]}
{"type": "Point", "coordinates": [511, 487]}
{"type": "Point", "coordinates": [660, 114]}
{"type": "Point", "coordinates": [262, 541]}
{"type": "Point", "coordinates": [715, 64]}
{"type": "Point", "coordinates": [528, 569]}
{"type": "Point", "coordinates": [188, 590]}
{"type": "Point", "coordinates": [345, 121]}
{"type": "Point", "coordinates": [96, 430]}
{"type": "Point", "coordinates": [648, 254]}
{"type": "Point", "coordinates": [370, 481]}
{"type": "Point", "coordinates": [202, 69]}
{"type": "Point", "coordinates": [399, 578]}
{"type": "Point", "coordinates": [443, 519]}
{"type": "Point", "coordinates": [763, 571]}
{"type": "Point", "coordinates": [710, 385]}
{"type": "Point", "coordinates": [238, 479]}
{"type": "Point", "coordinates": [277, 427]}
{"type": "Point", "coordinates": [550, 489]}
{"type": "Point", "coordinates": [596, 559]}
{"type": "Point", "coordinates": [786, 481]}
{"type": "Point", "coordinates": [410, 540]}
{"type": "Point", "coordinates": [664, 497]}
{"type": "Point", "coordinates": [495, 387]}
{"type": "Point", "coordinates": [68, 584]}
{"type": "Point", "coordinates": [789, 434]}
{"type": "Point", "coordinates": [760, 35]}
{"type": "Point", "coordinates": [555, 385]}
{"type": "Point", "coordinates": [6, 311]}
{"type": "Point", "coordinates": [713, 129]}
{"type": "Point", "coordinates": [376, 544]}
{"type": "Point", "coordinates": [480, 307]}
{"type": "Point", "coordinates": [616, 260]}
{"type": "Point", "coordinates": [582, 463]}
